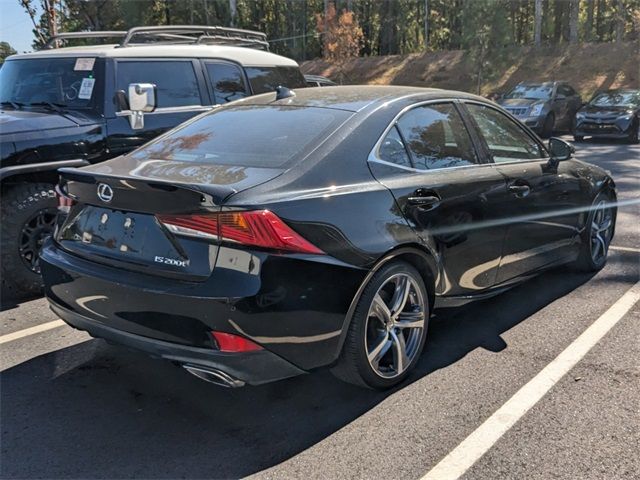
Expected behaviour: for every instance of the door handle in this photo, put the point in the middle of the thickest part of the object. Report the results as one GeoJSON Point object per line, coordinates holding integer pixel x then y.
{"type": "Point", "coordinates": [520, 190]}
{"type": "Point", "coordinates": [427, 202]}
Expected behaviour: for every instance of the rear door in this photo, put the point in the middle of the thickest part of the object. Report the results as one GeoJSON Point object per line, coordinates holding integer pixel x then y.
{"type": "Point", "coordinates": [428, 160]}
{"type": "Point", "coordinates": [544, 200]}
{"type": "Point", "coordinates": [181, 95]}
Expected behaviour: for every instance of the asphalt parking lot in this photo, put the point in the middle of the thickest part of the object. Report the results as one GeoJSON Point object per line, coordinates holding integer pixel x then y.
{"type": "Point", "coordinates": [74, 407]}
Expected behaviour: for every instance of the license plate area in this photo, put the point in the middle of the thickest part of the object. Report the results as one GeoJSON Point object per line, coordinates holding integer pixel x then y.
{"type": "Point", "coordinates": [110, 230]}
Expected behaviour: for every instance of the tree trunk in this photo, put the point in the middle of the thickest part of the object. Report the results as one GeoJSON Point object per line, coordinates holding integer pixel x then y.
{"type": "Point", "coordinates": [619, 20]}
{"type": "Point", "coordinates": [537, 28]}
{"type": "Point", "coordinates": [589, 26]}
{"type": "Point", "coordinates": [599, 17]}
{"type": "Point", "coordinates": [233, 9]}
{"type": "Point", "coordinates": [426, 24]}
{"type": "Point", "coordinates": [574, 9]}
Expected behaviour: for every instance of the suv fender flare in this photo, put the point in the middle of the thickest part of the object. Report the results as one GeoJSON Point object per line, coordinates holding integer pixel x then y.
{"type": "Point", "coordinates": [7, 172]}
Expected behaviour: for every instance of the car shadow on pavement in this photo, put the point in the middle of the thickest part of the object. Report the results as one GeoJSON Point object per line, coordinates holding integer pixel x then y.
{"type": "Point", "coordinates": [98, 411]}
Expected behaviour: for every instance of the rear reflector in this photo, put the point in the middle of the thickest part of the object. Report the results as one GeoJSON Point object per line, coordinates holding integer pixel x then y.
{"type": "Point", "coordinates": [227, 342]}
{"type": "Point", "coordinates": [64, 201]}
{"type": "Point", "coordinates": [259, 228]}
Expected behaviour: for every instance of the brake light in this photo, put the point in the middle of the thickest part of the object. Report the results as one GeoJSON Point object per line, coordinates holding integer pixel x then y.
{"type": "Point", "coordinates": [228, 342]}
{"type": "Point", "coordinates": [259, 228]}
{"type": "Point", "coordinates": [65, 202]}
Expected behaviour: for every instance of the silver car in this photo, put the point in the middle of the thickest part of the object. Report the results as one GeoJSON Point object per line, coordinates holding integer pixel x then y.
{"type": "Point", "coordinates": [544, 107]}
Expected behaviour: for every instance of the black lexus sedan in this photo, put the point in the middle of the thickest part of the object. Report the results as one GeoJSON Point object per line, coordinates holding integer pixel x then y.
{"type": "Point", "coordinates": [610, 114]}
{"type": "Point", "coordinates": [286, 232]}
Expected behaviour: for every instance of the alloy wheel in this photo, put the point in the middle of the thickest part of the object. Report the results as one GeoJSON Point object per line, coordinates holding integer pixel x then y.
{"type": "Point", "coordinates": [34, 232]}
{"type": "Point", "coordinates": [601, 230]}
{"type": "Point", "coordinates": [395, 325]}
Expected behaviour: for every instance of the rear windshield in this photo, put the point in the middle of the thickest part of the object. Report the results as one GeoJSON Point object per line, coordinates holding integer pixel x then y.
{"type": "Point", "coordinates": [247, 136]}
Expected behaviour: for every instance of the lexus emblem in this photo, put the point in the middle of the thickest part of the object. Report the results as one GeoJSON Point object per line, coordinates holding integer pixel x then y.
{"type": "Point", "coordinates": [105, 192]}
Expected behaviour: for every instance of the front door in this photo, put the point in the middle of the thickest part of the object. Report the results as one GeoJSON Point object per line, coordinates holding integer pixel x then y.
{"type": "Point", "coordinates": [544, 207]}
{"type": "Point", "coordinates": [179, 86]}
{"type": "Point", "coordinates": [428, 161]}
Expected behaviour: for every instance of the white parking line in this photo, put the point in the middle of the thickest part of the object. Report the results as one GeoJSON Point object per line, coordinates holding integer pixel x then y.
{"type": "Point", "coordinates": [10, 337]}
{"type": "Point", "coordinates": [624, 249]}
{"type": "Point", "coordinates": [472, 448]}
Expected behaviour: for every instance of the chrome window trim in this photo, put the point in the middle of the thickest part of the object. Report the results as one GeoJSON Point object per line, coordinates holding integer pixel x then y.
{"type": "Point", "coordinates": [373, 156]}
{"type": "Point", "coordinates": [180, 109]}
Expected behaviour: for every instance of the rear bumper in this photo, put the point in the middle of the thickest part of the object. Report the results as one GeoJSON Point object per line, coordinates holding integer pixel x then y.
{"type": "Point", "coordinates": [283, 304]}
{"type": "Point", "coordinates": [253, 368]}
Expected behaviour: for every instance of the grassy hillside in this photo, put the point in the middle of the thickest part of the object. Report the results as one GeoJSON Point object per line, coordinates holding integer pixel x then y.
{"type": "Point", "coordinates": [588, 67]}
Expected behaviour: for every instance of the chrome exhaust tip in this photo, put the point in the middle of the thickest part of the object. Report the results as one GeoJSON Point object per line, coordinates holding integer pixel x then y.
{"type": "Point", "coordinates": [212, 375]}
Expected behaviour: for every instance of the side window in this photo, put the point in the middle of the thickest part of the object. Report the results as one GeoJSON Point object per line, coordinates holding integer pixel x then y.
{"type": "Point", "coordinates": [507, 141]}
{"type": "Point", "coordinates": [227, 82]}
{"type": "Point", "coordinates": [436, 137]}
{"type": "Point", "coordinates": [564, 90]}
{"type": "Point", "coordinates": [175, 80]}
{"type": "Point", "coordinates": [266, 79]}
{"type": "Point", "coordinates": [392, 149]}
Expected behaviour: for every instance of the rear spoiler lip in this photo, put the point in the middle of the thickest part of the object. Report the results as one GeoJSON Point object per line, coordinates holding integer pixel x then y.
{"type": "Point", "coordinates": [218, 193]}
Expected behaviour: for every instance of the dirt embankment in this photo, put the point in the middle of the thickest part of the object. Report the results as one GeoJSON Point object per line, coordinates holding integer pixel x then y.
{"type": "Point", "coordinates": [588, 67]}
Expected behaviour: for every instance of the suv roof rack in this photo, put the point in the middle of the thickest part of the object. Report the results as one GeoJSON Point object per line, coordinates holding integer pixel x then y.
{"type": "Point", "coordinates": [173, 34]}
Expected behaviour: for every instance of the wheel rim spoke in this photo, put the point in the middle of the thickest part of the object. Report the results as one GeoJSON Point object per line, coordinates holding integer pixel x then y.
{"type": "Point", "coordinates": [380, 349]}
{"type": "Point", "coordinates": [410, 320]}
{"type": "Point", "coordinates": [380, 309]}
{"type": "Point", "coordinates": [400, 359]}
{"type": "Point", "coordinates": [400, 295]}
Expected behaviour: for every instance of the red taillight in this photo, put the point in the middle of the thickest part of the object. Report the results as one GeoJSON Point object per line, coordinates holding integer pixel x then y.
{"type": "Point", "coordinates": [227, 342]}
{"type": "Point", "coordinates": [260, 228]}
{"type": "Point", "coordinates": [64, 201]}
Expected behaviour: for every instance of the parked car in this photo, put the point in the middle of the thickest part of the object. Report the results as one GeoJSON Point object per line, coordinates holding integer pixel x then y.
{"type": "Point", "coordinates": [610, 114]}
{"type": "Point", "coordinates": [544, 107]}
{"type": "Point", "coordinates": [286, 232]}
{"type": "Point", "coordinates": [64, 107]}
{"type": "Point", "coordinates": [318, 81]}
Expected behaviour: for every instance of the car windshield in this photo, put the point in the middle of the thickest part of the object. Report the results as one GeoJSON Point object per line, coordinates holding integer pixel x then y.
{"type": "Point", "coordinates": [531, 92]}
{"type": "Point", "coordinates": [616, 99]}
{"type": "Point", "coordinates": [247, 136]}
{"type": "Point", "coordinates": [72, 83]}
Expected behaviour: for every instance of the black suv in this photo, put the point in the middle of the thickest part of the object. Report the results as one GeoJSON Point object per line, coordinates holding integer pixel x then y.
{"type": "Point", "coordinates": [69, 107]}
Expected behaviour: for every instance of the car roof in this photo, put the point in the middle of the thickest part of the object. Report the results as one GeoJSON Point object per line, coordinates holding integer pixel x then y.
{"type": "Point", "coordinates": [243, 55]}
{"type": "Point", "coordinates": [357, 97]}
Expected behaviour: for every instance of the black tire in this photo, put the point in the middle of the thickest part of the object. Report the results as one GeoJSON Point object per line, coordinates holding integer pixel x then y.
{"type": "Point", "coordinates": [28, 216]}
{"type": "Point", "coordinates": [547, 126]}
{"type": "Point", "coordinates": [353, 365]}
{"type": "Point", "coordinates": [634, 133]}
{"type": "Point", "coordinates": [586, 261]}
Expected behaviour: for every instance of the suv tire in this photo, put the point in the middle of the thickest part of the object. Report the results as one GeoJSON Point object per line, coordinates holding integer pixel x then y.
{"type": "Point", "coordinates": [28, 217]}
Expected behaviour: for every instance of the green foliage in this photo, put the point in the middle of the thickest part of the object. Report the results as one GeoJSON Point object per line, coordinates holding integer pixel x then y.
{"type": "Point", "coordinates": [5, 51]}
{"type": "Point", "coordinates": [388, 26]}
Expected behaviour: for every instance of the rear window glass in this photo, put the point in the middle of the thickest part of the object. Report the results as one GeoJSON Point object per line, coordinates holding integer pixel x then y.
{"type": "Point", "coordinates": [247, 136]}
{"type": "Point", "coordinates": [266, 79]}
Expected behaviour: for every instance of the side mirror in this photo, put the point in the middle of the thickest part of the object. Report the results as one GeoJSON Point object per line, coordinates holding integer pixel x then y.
{"type": "Point", "coordinates": [560, 150]}
{"type": "Point", "coordinates": [142, 99]}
